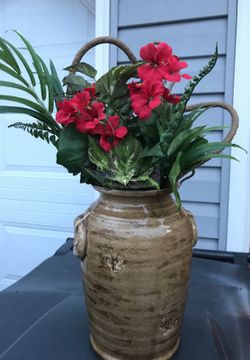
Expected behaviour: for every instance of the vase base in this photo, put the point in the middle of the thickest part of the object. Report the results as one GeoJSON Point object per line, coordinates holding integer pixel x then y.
{"type": "Point", "coordinates": [105, 356]}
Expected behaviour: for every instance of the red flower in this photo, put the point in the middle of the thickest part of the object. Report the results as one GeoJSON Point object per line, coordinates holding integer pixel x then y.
{"type": "Point", "coordinates": [66, 113]}
{"type": "Point", "coordinates": [112, 133]}
{"type": "Point", "coordinates": [69, 110]}
{"type": "Point", "coordinates": [90, 117]}
{"type": "Point", "coordinates": [156, 57]}
{"type": "Point", "coordinates": [80, 109]}
{"type": "Point", "coordinates": [80, 100]}
{"type": "Point", "coordinates": [174, 68]}
{"type": "Point", "coordinates": [174, 99]}
{"type": "Point", "coordinates": [145, 97]}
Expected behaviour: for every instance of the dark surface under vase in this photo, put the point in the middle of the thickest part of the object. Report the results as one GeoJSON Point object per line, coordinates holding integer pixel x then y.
{"type": "Point", "coordinates": [136, 273]}
{"type": "Point", "coordinates": [43, 315]}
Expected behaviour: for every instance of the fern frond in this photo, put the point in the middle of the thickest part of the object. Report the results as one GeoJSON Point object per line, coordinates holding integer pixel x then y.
{"type": "Point", "coordinates": [38, 130]}
{"type": "Point", "coordinates": [195, 81]}
{"type": "Point", "coordinates": [176, 122]}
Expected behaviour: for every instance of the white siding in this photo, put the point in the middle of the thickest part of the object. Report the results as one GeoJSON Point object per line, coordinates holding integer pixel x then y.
{"type": "Point", "coordinates": [38, 199]}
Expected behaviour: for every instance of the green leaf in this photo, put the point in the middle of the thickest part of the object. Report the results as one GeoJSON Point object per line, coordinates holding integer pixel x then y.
{"type": "Point", "coordinates": [154, 151]}
{"type": "Point", "coordinates": [215, 128]}
{"type": "Point", "coordinates": [97, 156]}
{"type": "Point", "coordinates": [149, 130]}
{"type": "Point", "coordinates": [20, 110]}
{"type": "Point", "coordinates": [128, 164]}
{"type": "Point", "coordinates": [193, 155]}
{"type": "Point", "coordinates": [12, 73]}
{"type": "Point", "coordinates": [92, 177]}
{"type": "Point", "coordinates": [74, 83]}
{"type": "Point", "coordinates": [24, 62]}
{"type": "Point", "coordinates": [37, 115]}
{"type": "Point", "coordinates": [47, 117]}
{"type": "Point", "coordinates": [185, 136]}
{"type": "Point", "coordinates": [83, 68]}
{"type": "Point", "coordinates": [127, 155]}
{"type": "Point", "coordinates": [49, 84]}
{"type": "Point", "coordinates": [8, 57]}
{"type": "Point", "coordinates": [173, 176]}
{"type": "Point", "coordinates": [165, 112]}
{"type": "Point", "coordinates": [112, 86]}
{"type": "Point", "coordinates": [17, 86]}
{"type": "Point", "coordinates": [36, 63]}
{"type": "Point", "coordinates": [123, 178]}
{"type": "Point", "coordinates": [73, 150]}
{"type": "Point", "coordinates": [189, 119]}
{"type": "Point", "coordinates": [23, 101]}
{"type": "Point", "coordinates": [153, 182]}
{"type": "Point", "coordinates": [211, 156]}
{"type": "Point", "coordinates": [57, 86]}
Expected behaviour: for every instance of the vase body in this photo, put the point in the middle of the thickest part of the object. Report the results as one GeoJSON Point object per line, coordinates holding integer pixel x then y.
{"type": "Point", "coordinates": [137, 250]}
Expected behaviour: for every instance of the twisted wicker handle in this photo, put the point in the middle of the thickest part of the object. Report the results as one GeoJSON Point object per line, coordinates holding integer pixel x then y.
{"type": "Point", "coordinates": [103, 40]}
{"type": "Point", "coordinates": [223, 105]}
{"type": "Point", "coordinates": [228, 138]}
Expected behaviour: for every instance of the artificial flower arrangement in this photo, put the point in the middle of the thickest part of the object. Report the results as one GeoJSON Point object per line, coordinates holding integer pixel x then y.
{"type": "Point", "coordinates": [126, 130]}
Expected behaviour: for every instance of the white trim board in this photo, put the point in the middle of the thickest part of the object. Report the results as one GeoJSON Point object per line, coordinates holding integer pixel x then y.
{"type": "Point", "coordinates": [239, 194]}
{"type": "Point", "coordinates": [102, 28]}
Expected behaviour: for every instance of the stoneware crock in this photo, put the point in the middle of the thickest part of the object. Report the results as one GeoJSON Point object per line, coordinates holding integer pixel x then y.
{"type": "Point", "coordinates": [136, 250]}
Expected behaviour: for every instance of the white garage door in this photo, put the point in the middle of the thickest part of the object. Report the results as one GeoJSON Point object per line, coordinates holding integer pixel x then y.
{"type": "Point", "coordinates": [38, 199]}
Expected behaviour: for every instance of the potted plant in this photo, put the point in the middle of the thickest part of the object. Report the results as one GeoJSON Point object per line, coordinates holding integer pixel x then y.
{"type": "Point", "coordinates": [129, 136]}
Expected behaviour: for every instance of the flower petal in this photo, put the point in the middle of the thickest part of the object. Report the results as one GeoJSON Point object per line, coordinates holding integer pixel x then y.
{"type": "Point", "coordinates": [154, 103]}
{"type": "Point", "coordinates": [186, 76]}
{"type": "Point", "coordinates": [121, 132]}
{"type": "Point", "coordinates": [105, 144]}
{"type": "Point", "coordinates": [163, 52]}
{"type": "Point", "coordinates": [148, 52]}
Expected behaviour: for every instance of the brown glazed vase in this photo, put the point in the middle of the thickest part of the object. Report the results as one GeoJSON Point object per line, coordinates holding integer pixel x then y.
{"type": "Point", "coordinates": [137, 250]}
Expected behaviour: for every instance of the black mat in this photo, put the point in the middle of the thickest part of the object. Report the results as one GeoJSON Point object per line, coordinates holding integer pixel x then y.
{"type": "Point", "coordinates": [43, 316]}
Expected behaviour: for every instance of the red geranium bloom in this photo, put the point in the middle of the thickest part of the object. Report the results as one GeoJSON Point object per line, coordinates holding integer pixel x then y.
{"type": "Point", "coordinates": [174, 99]}
{"type": "Point", "coordinates": [147, 98]}
{"type": "Point", "coordinates": [112, 133]}
{"type": "Point", "coordinates": [80, 100]}
{"type": "Point", "coordinates": [69, 110]}
{"type": "Point", "coordinates": [90, 117]}
{"type": "Point", "coordinates": [174, 68]}
{"type": "Point", "coordinates": [66, 113]}
{"type": "Point", "coordinates": [156, 57]}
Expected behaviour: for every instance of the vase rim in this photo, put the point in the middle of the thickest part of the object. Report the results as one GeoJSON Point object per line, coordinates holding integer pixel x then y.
{"type": "Point", "coordinates": [131, 193]}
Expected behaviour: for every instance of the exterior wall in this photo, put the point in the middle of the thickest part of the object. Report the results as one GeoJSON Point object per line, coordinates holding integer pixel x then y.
{"type": "Point", "coordinates": [192, 28]}
{"type": "Point", "coordinates": [38, 199]}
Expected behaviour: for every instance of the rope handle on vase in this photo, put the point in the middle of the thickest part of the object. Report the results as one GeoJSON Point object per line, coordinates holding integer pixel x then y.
{"type": "Point", "coordinates": [103, 40]}
{"type": "Point", "coordinates": [228, 139]}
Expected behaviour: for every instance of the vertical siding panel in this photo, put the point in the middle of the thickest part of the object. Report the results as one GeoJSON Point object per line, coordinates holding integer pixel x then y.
{"type": "Point", "coordinates": [204, 24]}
